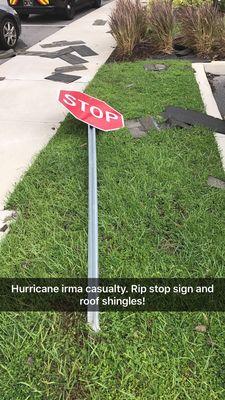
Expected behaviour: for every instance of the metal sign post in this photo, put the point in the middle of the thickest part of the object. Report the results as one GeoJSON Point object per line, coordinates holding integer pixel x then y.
{"type": "Point", "coordinates": [92, 316]}
{"type": "Point", "coordinates": [96, 114]}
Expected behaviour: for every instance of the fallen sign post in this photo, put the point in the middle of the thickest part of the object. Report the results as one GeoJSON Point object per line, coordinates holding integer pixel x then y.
{"type": "Point", "coordinates": [97, 114]}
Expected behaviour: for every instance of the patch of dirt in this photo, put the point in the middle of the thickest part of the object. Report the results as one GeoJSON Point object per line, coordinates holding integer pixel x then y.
{"type": "Point", "coordinates": [201, 328]}
{"type": "Point", "coordinates": [146, 51]}
{"type": "Point", "coordinates": [80, 392]}
{"type": "Point", "coordinates": [169, 246]}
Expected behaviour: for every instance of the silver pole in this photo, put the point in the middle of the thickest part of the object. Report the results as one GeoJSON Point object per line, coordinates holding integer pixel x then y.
{"type": "Point", "coordinates": [92, 316]}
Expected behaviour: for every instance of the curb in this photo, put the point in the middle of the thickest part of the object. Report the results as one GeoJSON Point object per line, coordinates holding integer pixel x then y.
{"type": "Point", "coordinates": [210, 103]}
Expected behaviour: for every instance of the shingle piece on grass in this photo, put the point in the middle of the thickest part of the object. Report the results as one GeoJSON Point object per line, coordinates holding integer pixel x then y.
{"type": "Point", "coordinates": [62, 78]}
{"type": "Point", "coordinates": [216, 182]}
{"type": "Point", "coordinates": [135, 128]}
{"type": "Point", "coordinates": [137, 132]}
{"type": "Point", "coordinates": [132, 123]}
{"type": "Point", "coordinates": [180, 115]}
{"type": "Point", "coordinates": [148, 123]}
{"type": "Point", "coordinates": [155, 67]}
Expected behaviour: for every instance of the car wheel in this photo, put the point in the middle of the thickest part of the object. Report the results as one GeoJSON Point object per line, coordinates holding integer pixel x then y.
{"type": "Point", "coordinates": [8, 34]}
{"type": "Point", "coordinates": [68, 12]}
{"type": "Point", "coordinates": [97, 3]}
{"type": "Point", "coordinates": [24, 16]}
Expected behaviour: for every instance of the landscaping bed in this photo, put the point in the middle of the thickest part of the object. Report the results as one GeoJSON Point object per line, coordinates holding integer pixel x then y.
{"type": "Point", "coordinates": [157, 218]}
{"type": "Point", "coordinates": [143, 52]}
{"type": "Point", "coordinates": [193, 29]}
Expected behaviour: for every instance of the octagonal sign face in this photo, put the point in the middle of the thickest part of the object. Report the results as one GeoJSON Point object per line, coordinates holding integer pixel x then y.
{"type": "Point", "coordinates": [91, 111]}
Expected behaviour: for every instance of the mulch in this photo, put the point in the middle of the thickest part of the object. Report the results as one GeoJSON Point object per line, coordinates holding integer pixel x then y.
{"type": "Point", "coordinates": [145, 51]}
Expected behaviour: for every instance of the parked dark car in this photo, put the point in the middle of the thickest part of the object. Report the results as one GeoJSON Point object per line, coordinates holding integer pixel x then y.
{"type": "Point", "coordinates": [10, 26]}
{"type": "Point", "coordinates": [64, 8]}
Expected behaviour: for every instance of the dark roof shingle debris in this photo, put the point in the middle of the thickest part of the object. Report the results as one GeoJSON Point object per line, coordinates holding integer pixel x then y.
{"type": "Point", "coordinates": [71, 68]}
{"type": "Point", "coordinates": [61, 43]}
{"type": "Point", "coordinates": [3, 228]}
{"type": "Point", "coordinates": [84, 51]}
{"type": "Point", "coordinates": [139, 127]}
{"type": "Point", "coordinates": [149, 123]}
{"type": "Point", "coordinates": [155, 67]}
{"type": "Point", "coordinates": [62, 78]}
{"type": "Point", "coordinates": [216, 182]}
{"type": "Point", "coordinates": [6, 218]}
{"type": "Point", "coordinates": [47, 54]}
{"type": "Point", "coordinates": [67, 50]}
{"type": "Point", "coordinates": [99, 22]}
{"type": "Point", "coordinates": [72, 59]}
{"type": "Point", "coordinates": [183, 52]}
{"type": "Point", "coordinates": [55, 54]}
{"type": "Point", "coordinates": [135, 128]}
{"type": "Point", "coordinates": [178, 117]}
{"type": "Point", "coordinates": [7, 54]}
{"type": "Point", "coordinates": [65, 54]}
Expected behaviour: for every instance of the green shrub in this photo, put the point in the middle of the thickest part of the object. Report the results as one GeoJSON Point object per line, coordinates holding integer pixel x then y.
{"type": "Point", "coordinates": [128, 23]}
{"type": "Point", "coordinates": [180, 3]}
{"type": "Point", "coordinates": [161, 26]}
{"type": "Point", "coordinates": [203, 29]}
{"type": "Point", "coordinates": [183, 3]}
{"type": "Point", "coordinates": [221, 4]}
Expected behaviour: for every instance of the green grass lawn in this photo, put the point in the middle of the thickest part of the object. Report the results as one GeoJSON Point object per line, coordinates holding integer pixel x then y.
{"type": "Point", "coordinates": [157, 217]}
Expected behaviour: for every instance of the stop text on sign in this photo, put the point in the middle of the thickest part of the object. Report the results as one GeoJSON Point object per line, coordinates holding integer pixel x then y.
{"type": "Point", "coordinates": [86, 107]}
{"type": "Point", "coordinates": [91, 111]}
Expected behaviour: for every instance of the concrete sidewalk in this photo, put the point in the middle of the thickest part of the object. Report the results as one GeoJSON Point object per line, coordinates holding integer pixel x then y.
{"type": "Point", "coordinates": [29, 109]}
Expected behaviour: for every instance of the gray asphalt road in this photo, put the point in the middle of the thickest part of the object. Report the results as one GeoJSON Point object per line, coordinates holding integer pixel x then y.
{"type": "Point", "coordinates": [38, 27]}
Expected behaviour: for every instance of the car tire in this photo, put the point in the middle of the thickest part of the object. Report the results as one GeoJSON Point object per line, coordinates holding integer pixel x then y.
{"type": "Point", "coordinates": [24, 16]}
{"type": "Point", "coordinates": [68, 12]}
{"type": "Point", "coordinates": [8, 34]}
{"type": "Point", "coordinates": [97, 3]}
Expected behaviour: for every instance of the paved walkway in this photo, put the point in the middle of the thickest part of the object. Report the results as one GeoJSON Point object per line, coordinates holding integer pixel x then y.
{"type": "Point", "coordinates": [29, 110]}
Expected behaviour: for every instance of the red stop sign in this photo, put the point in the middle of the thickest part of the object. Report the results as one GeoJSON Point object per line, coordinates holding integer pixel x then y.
{"type": "Point", "coordinates": [92, 111]}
